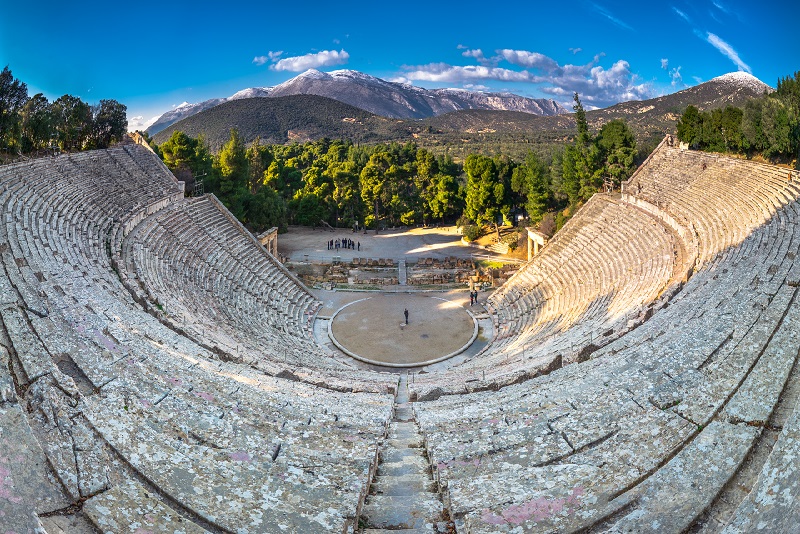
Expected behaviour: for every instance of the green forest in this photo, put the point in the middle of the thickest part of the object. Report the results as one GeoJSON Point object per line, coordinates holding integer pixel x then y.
{"type": "Point", "coordinates": [768, 126]}
{"type": "Point", "coordinates": [384, 185]}
{"type": "Point", "coordinates": [29, 124]}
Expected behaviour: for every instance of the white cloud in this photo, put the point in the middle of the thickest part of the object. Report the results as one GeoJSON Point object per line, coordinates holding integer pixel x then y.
{"type": "Point", "coordinates": [664, 63]}
{"type": "Point", "coordinates": [478, 55]}
{"type": "Point", "coordinates": [728, 50]}
{"type": "Point", "coordinates": [336, 41]}
{"type": "Point", "coordinates": [476, 87]}
{"type": "Point", "coordinates": [533, 60]}
{"type": "Point", "coordinates": [597, 86]}
{"type": "Point", "coordinates": [697, 79]}
{"type": "Point", "coordinates": [324, 58]}
{"type": "Point", "coordinates": [270, 57]}
{"type": "Point", "coordinates": [461, 47]}
{"type": "Point", "coordinates": [442, 72]}
{"type": "Point", "coordinates": [139, 123]}
{"type": "Point", "coordinates": [575, 50]}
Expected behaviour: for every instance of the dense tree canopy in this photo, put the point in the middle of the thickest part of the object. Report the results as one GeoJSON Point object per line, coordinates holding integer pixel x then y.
{"type": "Point", "coordinates": [29, 124]}
{"type": "Point", "coordinates": [382, 185]}
{"type": "Point", "coordinates": [769, 126]}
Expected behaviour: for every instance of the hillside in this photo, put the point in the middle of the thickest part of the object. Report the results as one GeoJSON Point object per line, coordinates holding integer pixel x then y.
{"type": "Point", "coordinates": [286, 119]}
{"type": "Point", "coordinates": [648, 119]}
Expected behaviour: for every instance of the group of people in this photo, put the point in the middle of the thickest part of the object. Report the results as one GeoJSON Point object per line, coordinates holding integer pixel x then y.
{"type": "Point", "coordinates": [338, 244]}
{"type": "Point", "coordinates": [473, 297]}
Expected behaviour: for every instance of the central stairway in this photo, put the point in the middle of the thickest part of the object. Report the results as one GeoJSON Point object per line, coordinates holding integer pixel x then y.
{"type": "Point", "coordinates": [403, 495]}
{"type": "Point", "coordinates": [402, 273]}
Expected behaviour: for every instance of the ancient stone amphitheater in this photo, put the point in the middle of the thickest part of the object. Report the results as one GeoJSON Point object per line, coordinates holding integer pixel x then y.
{"type": "Point", "coordinates": [159, 372]}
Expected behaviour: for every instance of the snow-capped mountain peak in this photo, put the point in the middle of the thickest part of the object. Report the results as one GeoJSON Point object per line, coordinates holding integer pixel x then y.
{"type": "Point", "coordinates": [744, 80]}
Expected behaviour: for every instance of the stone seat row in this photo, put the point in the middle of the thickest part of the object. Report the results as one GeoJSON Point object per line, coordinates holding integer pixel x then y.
{"type": "Point", "coordinates": [251, 299]}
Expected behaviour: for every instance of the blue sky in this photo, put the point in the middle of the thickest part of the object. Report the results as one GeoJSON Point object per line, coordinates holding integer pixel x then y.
{"type": "Point", "coordinates": [154, 56]}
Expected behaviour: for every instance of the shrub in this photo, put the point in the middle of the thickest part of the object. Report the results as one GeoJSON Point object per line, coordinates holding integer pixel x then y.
{"type": "Point", "coordinates": [471, 232]}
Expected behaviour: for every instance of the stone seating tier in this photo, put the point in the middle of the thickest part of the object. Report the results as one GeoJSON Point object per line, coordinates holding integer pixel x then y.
{"type": "Point", "coordinates": [156, 419]}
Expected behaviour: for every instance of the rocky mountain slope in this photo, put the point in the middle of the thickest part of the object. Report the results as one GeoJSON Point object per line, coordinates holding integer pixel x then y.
{"type": "Point", "coordinates": [287, 118]}
{"type": "Point", "coordinates": [381, 97]}
{"type": "Point", "coordinates": [647, 118]}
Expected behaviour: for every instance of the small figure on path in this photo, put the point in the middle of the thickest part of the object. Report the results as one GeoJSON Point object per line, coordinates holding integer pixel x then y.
{"type": "Point", "coordinates": [471, 298]}
{"type": "Point", "coordinates": [405, 312]}
{"type": "Point", "coordinates": [359, 246]}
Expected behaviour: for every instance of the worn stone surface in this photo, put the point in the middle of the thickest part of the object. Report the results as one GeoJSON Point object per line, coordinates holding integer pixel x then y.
{"type": "Point", "coordinates": [7, 390]}
{"type": "Point", "coordinates": [129, 507]}
{"type": "Point", "coordinates": [26, 485]}
{"type": "Point", "coordinates": [755, 400]}
{"type": "Point", "coordinates": [678, 493]}
{"type": "Point", "coordinates": [69, 524]}
{"type": "Point", "coordinates": [773, 505]}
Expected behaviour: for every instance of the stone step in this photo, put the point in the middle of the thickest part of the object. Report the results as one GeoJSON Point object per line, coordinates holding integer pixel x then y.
{"type": "Point", "coordinates": [441, 527]}
{"type": "Point", "coordinates": [403, 413]}
{"type": "Point", "coordinates": [391, 455]}
{"type": "Point", "coordinates": [397, 531]}
{"type": "Point", "coordinates": [412, 442]}
{"type": "Point", "coordinates": [403, 485]}
{"type": "Point", "coordinates": [402, 430]}
{"type": "Point", "coordinates": [408, 466]}
{"type": "Point", "coordinates": [402, 511]}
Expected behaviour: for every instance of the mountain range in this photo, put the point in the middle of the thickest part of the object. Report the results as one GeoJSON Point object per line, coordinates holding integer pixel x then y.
{"type": "Point", "coordinates": [300, 118]}
{"type": "Point", "coordinates": [380, 97]}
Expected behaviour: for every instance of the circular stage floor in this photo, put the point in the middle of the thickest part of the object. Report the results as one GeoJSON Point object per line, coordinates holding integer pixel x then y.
{"type": "Point", "coordinates": [373, 329]}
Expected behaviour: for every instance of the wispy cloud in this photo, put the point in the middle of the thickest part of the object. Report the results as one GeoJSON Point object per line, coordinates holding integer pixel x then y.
{"type": "Point", "coordinates": [575, 50]}
{"type": "Point", "coordinates": [682, 15]}
{"type": "Point", "coordinates": [677, 79]}
{"type": "Point", "coordinates": [664, 63]}
{"type": "Point", "coordinates": [728, 50]}
{"type": "Point", "coordinates": [724, 9]}
{"type": "Point", "coordinates": [697, 79]}
{"type": "Point", "coordinates": [324, 58]}
{"type": "Point", "coordinates": [719, 5]}
{"type": "Point", "coordinates": [714, 40]}
{"type": "Point", "coordinates": [607, 14]}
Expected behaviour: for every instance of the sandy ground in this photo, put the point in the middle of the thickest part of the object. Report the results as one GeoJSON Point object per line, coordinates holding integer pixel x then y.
{"type": "Point", "coordinates": [375, 327]}
{"type": "Point", "coordinates": [407, 244]}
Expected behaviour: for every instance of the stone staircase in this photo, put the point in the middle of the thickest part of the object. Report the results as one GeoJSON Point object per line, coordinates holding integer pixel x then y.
{"type": "Point", "coordinates": [403, 495]}
{"type": "Point", "coordinates": [498, 248]}
{"type": "Point", "coordinates": [402, 273]}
